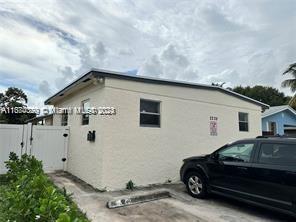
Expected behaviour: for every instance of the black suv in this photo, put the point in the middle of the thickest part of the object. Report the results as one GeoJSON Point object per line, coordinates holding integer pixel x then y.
{"type": "Point", "coordinates": [259, 171]}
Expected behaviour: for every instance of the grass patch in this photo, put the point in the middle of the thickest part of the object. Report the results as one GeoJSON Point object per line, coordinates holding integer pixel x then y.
{"type": "Point", "coordinates": [29, 195]}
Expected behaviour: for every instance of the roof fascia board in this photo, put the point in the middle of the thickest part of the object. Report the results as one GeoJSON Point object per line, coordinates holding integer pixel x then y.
{"type": "Point", "coordinates": [71, 85]}
{"type": "Point", "coordinates": [112, 74]}
{"type": "Point", "coordinates": [281, 110]}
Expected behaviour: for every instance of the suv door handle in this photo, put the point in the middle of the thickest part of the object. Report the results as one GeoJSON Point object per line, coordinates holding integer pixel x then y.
{"type": "Point", "coordinates": [242, 168]}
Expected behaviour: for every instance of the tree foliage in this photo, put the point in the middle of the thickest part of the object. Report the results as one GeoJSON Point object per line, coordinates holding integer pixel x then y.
{"type": "Point", "coordinates": [12, 98]}
{"type": "Point", "coordinates": [265, 94]}
{"type": "Point", "coordinates": [291, 83]}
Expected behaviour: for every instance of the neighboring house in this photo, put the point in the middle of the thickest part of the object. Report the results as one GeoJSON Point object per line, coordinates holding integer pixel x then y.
{"type": "Point", "coordinates": [42, 120]}
{"type": "Point", "coordinates": [157, 124]}
{"type": "Point", "coordinates": [279, 120]}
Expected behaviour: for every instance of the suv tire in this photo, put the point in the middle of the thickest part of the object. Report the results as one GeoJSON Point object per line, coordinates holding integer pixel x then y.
{"type": "Point", "coordinates": [196, 185]}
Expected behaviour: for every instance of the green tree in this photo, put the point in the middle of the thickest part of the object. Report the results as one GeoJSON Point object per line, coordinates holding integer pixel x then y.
{"type": "Point", "coordinates": [265, 94]}
{"type": "Point", "coordinates": [291, 82]}
{"type": "Point", "coordinates": [12, 98]}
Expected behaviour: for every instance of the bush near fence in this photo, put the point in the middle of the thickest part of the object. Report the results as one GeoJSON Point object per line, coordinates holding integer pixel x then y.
{"type": "Point", "coordinates": [29, 195]}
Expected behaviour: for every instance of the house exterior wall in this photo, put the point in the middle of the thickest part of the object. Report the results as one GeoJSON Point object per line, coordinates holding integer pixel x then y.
{"type": "Point", "coordinates": [125, 151]}
{"type": "Point", "coordinates": [281, 119]}
{"type": "Point", "coordinates": [84, 158]}
{"type": "Point", "coordinates": [149, 155]}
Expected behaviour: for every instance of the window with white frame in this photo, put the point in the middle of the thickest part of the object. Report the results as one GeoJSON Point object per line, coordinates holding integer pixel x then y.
{"type": "Point", "coordinates": [64, 119]}
{"type": "Point", "coordinates": [85, 112]}
{"type": "Point", "coordinates": [149, 113]}
{"type": "Point", "coordinates": [243, 120]}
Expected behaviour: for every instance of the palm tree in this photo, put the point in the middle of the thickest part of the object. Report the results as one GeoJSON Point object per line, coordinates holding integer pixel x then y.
{"type": "Point", "coordinates": [291, 83]}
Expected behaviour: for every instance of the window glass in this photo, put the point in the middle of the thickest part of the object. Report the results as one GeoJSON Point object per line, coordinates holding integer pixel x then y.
{"type": "Point", "coordinates": [237, 153]}
{"type": "Point", "coordinates": [243, 121]}
{"type": "Point", "coordinates": [85, 112]}
{"type": "Point", "coordinates": [149, 106]}
{"type": "Point", "coordinates": [147, 119]}
{"type": "Point", "coordinates": [64, 119]}
{"type": "Point", "coordinates": [149, 113]}
{"type": "Point", "coordinates": [284, 154]}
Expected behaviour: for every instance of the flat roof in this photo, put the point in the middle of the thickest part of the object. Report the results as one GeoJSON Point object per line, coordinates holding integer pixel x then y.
{"type": "Point", "coordinates": [38, 118]}
{"type": "Point", "coordinates": [96, 73]}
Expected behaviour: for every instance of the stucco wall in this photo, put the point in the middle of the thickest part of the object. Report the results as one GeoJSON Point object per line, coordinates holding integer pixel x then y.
{"type": "Point", "coordinates": [84, 157]}
{"type": "Point", "coordinates": [153, 155]}
{"type": "Point", "coordinates": [123, 150]}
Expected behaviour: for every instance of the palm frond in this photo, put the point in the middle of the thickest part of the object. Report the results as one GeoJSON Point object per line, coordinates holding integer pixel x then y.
{"type": "Point", "coordinates": [291, 83]}
{"type": "Point", "coordinates": [291, 69]}
{"type": "Point", "coordinates": [292, 102]}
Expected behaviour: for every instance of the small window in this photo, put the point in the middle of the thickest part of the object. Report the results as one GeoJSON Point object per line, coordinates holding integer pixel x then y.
{"type": "Point", "coordinates": [243, 120]}
{"type": "Point", "coordinates": [284, 154]}
{"type": "Point", "coordinates": [149, 113]}
{"type": "Point", "coordinates": [64, 120]}
{"type": "Point", "coordinates": [237, 153]}
{"type": "Point", "coordinates": [85, 112]}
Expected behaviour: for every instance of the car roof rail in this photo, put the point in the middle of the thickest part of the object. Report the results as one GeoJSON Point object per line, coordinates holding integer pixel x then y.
{"type": "Point", "coordinates": [273, 136]}
{"type": "Point", "coordinates": [259, 137]}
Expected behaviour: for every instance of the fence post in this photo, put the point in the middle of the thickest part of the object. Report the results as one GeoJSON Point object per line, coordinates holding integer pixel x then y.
{"type": "Point", "coordinates": [29, 141]}
{"type": "Point", "coordinates": [66, 140]}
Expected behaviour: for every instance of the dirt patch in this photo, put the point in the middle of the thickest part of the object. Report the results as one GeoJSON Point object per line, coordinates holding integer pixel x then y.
{"type": "Point", "coordinates": [155, 211]}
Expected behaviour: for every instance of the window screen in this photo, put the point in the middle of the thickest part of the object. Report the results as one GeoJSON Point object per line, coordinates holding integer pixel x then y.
{"type": "Point", "coordinates": [85, 112]}
{"type": "Point", "coordinates": [64, 121]}
{"type": "Point", "coordinates": [243, 121]}
{"type": "Point", "coordinates": [149, 113]}
{"type": "Point", "coordinates": [284, 154]}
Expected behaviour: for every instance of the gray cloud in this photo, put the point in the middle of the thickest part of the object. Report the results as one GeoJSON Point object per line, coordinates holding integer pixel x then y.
{"type": "Point", "coordinates": [44, 88]}
{"type": "Point", "coordinates": [169, 63]}
{"type": "Point", "coordinates": [100, 51]}
{"type": "Point", "coordinates": [170, 54]}
{"type": "Point", "coordinates": [67, 75]}
{"type": "Point", "coordinates": [126, 52]}
{"type": "Point", "coordinates": [152, 67]}
{"type": "Point", "coordinates": [39, 25]}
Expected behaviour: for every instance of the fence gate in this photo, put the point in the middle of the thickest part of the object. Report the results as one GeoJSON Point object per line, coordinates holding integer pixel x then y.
{"type": "Point", "coordinates": [11, 138]}
{"type": "Point", "coordinates": [47, 143]}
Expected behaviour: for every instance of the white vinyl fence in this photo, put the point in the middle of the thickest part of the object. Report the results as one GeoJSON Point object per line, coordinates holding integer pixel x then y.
{"type": "Point", "coordinates": [47, 143]}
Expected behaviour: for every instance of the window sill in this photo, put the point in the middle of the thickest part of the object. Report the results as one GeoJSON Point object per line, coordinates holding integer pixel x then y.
{"type": "Point", "coordinates": [150, 126]}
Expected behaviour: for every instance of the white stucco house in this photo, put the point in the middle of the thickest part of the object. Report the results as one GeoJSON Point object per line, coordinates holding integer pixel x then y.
{"type": "Point", "coordinates": [157, 124]}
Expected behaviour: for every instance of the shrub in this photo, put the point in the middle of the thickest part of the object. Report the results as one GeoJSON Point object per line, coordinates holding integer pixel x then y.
{"type": "Point", "coordinates": [3, 179]}
{"type": "Point", "coordinates": [130, 185]}
{"type": "Point", "coordinates": [31, 196]}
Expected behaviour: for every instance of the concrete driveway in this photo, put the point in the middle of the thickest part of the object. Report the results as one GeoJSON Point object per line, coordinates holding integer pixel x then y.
{"type": "Point", "coordinates": [181, 207]}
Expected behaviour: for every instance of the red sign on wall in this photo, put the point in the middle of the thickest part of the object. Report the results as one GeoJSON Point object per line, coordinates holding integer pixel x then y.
{"type": "Point", "coordinates": [213, 126]}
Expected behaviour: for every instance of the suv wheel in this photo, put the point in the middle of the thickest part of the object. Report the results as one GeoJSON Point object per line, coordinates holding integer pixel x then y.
{"type": "Point", "coordinates": [196, 185]}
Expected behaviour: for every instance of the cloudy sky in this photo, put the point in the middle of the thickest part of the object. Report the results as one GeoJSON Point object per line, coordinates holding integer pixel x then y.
{"type": "Point", "coordinates": [46, 44]}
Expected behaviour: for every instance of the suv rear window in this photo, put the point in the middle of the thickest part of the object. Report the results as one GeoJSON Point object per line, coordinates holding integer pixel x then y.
{"type": "Point", "coordinates": [278, 154]}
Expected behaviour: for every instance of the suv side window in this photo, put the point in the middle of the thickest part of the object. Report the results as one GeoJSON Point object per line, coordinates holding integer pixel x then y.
{"type": "Point", "coordinates": [277, 154]}
{"type": "Point", "coordinates": [237, 153]}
